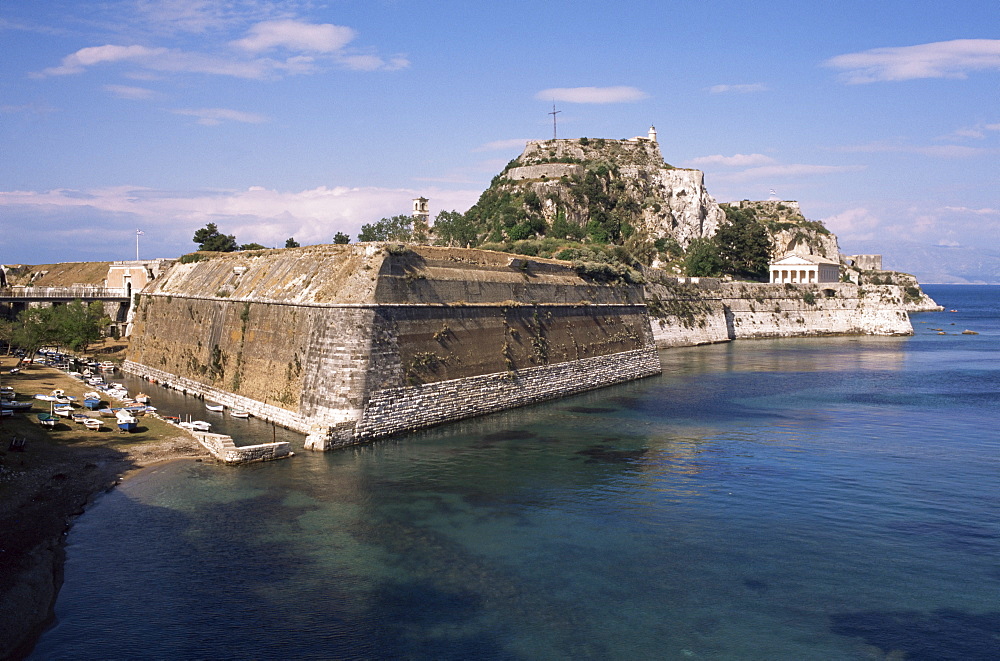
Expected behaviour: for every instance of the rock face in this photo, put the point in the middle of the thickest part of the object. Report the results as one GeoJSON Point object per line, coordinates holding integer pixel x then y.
{"type": "Point", "coordinates": [599, 186]}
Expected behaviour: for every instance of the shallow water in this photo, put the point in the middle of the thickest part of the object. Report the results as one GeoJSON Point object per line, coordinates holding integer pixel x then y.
{"type": "Point", "coordinates": [787, 499]}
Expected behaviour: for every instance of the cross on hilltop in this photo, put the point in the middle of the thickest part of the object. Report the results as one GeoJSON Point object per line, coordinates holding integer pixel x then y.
{"type": "Point", "coordinates": [554, 113]}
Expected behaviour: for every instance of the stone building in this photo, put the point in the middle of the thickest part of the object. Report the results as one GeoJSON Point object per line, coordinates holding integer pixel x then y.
{"type": "Point", "coordinates": [804, 269]}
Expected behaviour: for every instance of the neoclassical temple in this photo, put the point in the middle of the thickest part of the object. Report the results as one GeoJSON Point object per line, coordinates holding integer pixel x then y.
{"type": "Point", "coordinates": [804, 269]}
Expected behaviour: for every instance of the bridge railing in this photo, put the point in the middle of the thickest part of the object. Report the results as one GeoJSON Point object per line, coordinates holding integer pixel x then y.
{"type": "Point", "coordinates": [71, 293]}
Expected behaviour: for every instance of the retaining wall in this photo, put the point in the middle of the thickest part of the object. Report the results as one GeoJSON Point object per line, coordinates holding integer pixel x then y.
{"type": "Point", "coordinates": [223, 449]}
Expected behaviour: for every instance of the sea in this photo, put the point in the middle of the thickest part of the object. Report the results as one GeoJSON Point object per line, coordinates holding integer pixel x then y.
{"type": "Point", "coordinates": [814, 498]}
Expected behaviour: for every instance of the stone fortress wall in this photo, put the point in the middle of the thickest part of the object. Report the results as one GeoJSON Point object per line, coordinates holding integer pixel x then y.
{"type": "Point", "coordinates": [685, 313]}
{"type": "Point", "coordinates": [354, 342]}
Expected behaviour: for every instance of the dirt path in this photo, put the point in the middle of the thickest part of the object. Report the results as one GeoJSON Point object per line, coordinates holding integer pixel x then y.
{"type": "Point", "coordinates": [43, 488]}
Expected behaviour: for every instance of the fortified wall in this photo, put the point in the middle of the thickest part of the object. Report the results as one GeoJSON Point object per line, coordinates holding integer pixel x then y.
{"type": "Point", "coordinates": [348, 343]}
{"type": "Point", "coordinates": [692, 311]}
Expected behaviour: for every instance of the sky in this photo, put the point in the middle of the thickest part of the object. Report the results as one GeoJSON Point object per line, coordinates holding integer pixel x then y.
{"type": "Point", "coordinates": [303, 118]}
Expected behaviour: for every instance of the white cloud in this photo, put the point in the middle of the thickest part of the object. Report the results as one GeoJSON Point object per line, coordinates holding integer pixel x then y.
{"type": "Point", "coordinates": [738, 89]}
{"type": "Point", "coordinates": [935, 151]}
{"type": "Point", "coordinates": [977, 132]}
{"type": "Point", "coordinates": [297, 36]}
{"type": "Point", "coordinates": [942, 59]}
{"type": "Point", "coordinates": [373, 63]}
{"type": "Point", "coordinates": [592, 94]}
{"type": "Point", "coordinates": [976, 212]}
{"type": "Point", "coordinates": [736, 160]}
{"type": "Point", "coordinates": [195, 16]}
{"type": "Point", "coordinates": [131, 93]}
{"type": "Point", "coordinates": [792, 170]}
{"type": "Point", "coordinates": [503, 145]}
{"type": "Point", "coordinates": [857, 224]}
{"type": "Point", "coordinates": [169, 218]}
{"type": "Point", "coordinates": [306, 47]}
{"type": "Point", "coordinates": [85, 57]}
{"type": "Point", "coordinates": [948, 243]}
{"type": "Point", "coordinates": [215, 116]}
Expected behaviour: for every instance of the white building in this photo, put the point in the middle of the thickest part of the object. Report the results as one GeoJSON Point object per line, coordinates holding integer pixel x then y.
{"type": "Point", "coordinates": [804, 269]}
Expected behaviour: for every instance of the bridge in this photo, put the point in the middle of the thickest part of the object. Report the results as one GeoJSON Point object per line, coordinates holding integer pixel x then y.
{"type": "Point", "coordinates": [63, 294]}
{"type": "Point", "coordinates": [117, 301]}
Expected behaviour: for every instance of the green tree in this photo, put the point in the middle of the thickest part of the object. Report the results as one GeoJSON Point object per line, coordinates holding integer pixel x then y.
{"type": "Point", "coordinates": [34, 329]}
{"type": "Point", "coordinates": [342, 239]}
{"type": "Point", "coordinates": [7, 334]}
{"type": "Point", "coordinates": [210, 238]}
{"type": "Point", "coordinates": [397, 228]}
{"type": "Point", "coordinates": [78, 325]}
{"type": "Point", "coordinates": [252, 246]}
{"type": "Point", "coordinates": [702, 258]}
{"type": "Point", "coordinates": [452, 228]}
{"type": "Point", "coordinates": [744, 245]}
{"type": "Point", "coordinates": [290, 242]}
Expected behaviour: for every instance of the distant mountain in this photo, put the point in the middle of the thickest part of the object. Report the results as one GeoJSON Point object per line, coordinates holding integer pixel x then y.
{"type": "Point", "coordinates": [933, 263]}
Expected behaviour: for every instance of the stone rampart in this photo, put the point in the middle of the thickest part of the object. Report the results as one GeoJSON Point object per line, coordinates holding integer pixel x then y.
{"type": "Point", "coordinates": [545, 171]}
{"type": "Point", "coordinates": [346, 359]}
{"type": "Point", "coordinates": [686, 314]}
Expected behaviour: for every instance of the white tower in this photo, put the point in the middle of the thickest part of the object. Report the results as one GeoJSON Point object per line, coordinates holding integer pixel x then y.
{"type": "Point", "coordinates": [420, 207]}
{"type": "Point", "coordinates": [652, 134]}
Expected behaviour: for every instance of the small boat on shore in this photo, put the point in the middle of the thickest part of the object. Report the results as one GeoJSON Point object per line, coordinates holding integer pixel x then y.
{"type": "Point", "coordinates": [142, 398]}
{"type": "Point", "coordinates": [64, 411]}
{"type": "Point", "coordinates": [93, 424]}
{"type": "Point", "coordinates": [47, 420]}
{"type": "Point", "coordinates": [79, 418]}
{"type": "Point", "coordinates": [126, 421]}
{"type": "Point", "coordinates": [11, 405]}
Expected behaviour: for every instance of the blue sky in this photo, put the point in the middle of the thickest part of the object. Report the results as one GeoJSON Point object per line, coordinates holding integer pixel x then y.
{"type": "Point", "coordinates": [296, 118]}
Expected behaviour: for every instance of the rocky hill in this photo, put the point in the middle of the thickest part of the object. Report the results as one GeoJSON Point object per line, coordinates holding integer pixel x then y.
{"type": "Point", "coordinates": [596, 189]}
{"type": "Point", "coordinates": [790, 231]}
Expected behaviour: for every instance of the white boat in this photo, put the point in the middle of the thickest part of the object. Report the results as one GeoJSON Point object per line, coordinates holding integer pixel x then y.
{"type": "Point", "coordinates": [126, 421]}
{"type": "Point", "coordinates": [142, 398]}
{"type": "Point", "coordinates": [10, 405]}
{"type": "Point", "coordinates": [239, 413]}
{"type": "Point", "coordinates": [106, 366]}
{"type": "Point", "coordinates": [217, 408]}
{"type": "Point", "coordinates": [64, 411]}
{"type": "Point", "coordinates": [93, 424]}
{"type": "Point", "coordinates": [196, 425]}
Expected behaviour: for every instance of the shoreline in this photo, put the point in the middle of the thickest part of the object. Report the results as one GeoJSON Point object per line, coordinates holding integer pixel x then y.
{"type": "Point", "coordinates": [45, 488]}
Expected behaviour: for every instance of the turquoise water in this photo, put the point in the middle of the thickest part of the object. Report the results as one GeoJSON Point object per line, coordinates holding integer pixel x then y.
{"type": "Point", "coordinates": [791, 499]}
